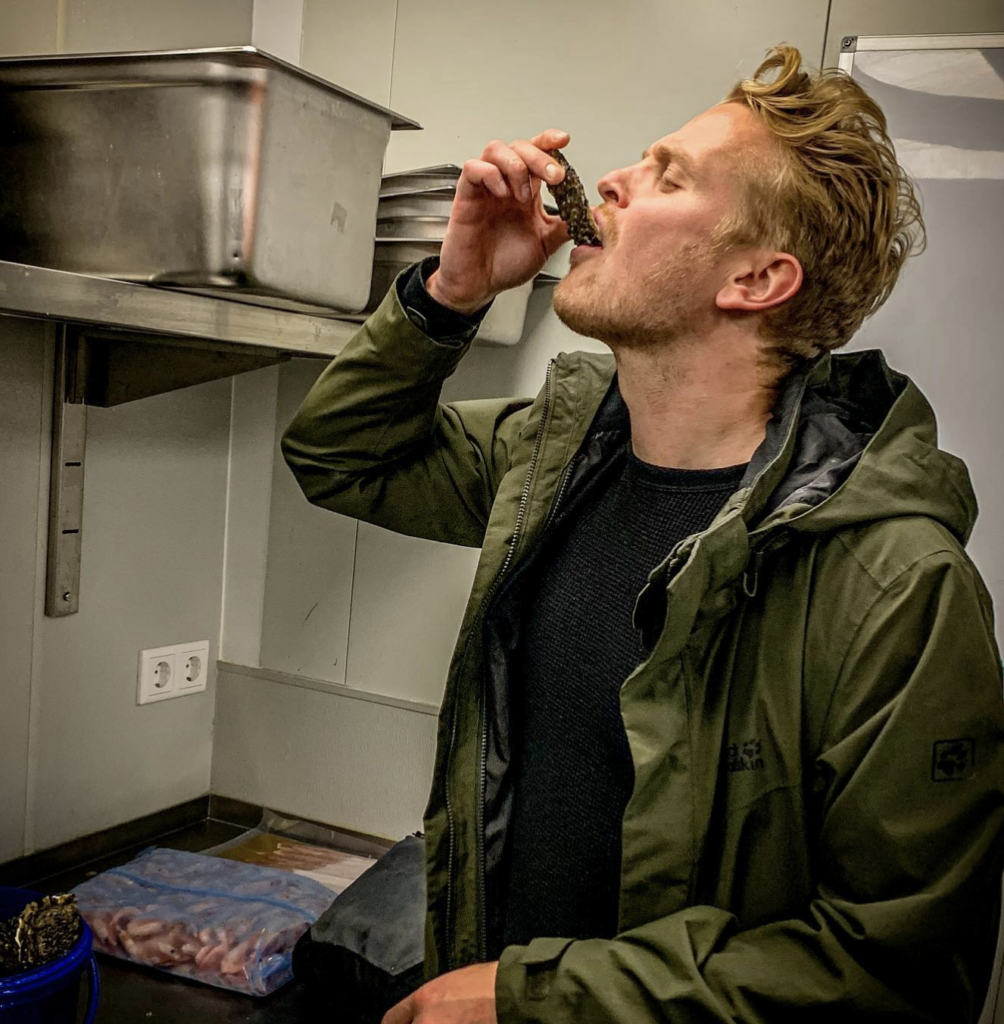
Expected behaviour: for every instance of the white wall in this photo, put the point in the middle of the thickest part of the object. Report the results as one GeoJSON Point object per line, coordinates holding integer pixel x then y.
{"type": "Point", "coordinates": [86, 26]}
{"type": "Point", "coordinates": [28, 26]}
{"type": "Point", "coordinates": [277, 27]}
{"type": "Point", "coordinates": [351, 44]}
{"type": "Point", "coordinates": [308, 582]}
{"type": "Point", "coordinates": [76, 752]}
{"type": "Point", "coordinates": [249, 497]}
{"type": "Point", "coordinates": [151, 574]}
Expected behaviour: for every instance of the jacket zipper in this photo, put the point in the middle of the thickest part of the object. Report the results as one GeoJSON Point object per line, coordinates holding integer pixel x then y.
{"type": "Point", "coordinates": [566, 474]}
{"type": "Point", "coordinates": [517, 528]}
{"type": "Point", "coordinates": [524, 498]}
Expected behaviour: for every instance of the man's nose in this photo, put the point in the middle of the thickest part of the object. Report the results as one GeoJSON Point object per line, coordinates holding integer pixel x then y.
{"type": "Point", "coordinates": [615, 186]}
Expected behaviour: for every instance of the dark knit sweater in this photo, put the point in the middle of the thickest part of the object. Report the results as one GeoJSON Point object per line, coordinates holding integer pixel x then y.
{"type": "Point", "coordinates": [573, 767]}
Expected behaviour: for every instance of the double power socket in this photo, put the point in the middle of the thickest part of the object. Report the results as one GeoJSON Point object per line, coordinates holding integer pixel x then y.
{"type": "Point", "coordinates": [166, 672]}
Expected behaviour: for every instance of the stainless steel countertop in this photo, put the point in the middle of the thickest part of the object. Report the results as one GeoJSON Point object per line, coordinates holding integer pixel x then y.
{"type": "Point", "coordinates": [40, 293]}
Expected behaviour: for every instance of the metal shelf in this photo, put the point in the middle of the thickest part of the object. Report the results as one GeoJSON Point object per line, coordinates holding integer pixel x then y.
{"type": "Point", "coordinates": [158, 314]}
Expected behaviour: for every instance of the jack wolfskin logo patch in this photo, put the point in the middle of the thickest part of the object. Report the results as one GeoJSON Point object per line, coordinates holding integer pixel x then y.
{"type": "Point", "coordinates": [744, 757]}
{"type": "Point", "coordinates": [953, 760]}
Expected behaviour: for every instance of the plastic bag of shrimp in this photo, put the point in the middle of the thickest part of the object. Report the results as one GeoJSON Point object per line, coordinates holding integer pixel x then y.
{"type": "Point", "coordinates": [222, 922]}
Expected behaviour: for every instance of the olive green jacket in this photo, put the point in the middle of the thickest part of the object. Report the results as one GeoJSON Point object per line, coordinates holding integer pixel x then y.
{"type": "Point", "coordinates": [815, 830]}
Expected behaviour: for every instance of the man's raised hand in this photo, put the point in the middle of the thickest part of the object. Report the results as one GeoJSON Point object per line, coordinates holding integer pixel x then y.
{"type": "Point", "coordinates": [499, 236]}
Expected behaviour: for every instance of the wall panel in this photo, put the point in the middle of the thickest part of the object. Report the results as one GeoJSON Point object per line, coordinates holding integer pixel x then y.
{"type": "Point", "coordinates": [344, 761]}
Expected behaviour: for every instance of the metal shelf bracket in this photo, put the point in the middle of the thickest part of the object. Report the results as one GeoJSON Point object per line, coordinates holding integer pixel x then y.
{"type": "Point", "coordinates": [101, 367]}
{"type": "Point", "coordinates": [66, 476]}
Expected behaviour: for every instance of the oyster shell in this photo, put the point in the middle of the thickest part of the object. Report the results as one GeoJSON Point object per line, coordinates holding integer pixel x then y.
{"type": "Point", "coordinates": [43, 932]}
{"type": "Point", "coordinates": [573, 206]}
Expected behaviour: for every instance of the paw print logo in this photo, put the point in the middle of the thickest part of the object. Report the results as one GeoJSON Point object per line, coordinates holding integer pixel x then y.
{"type": "Point", "coordinates": [751, 749]}
{"type": "Point", "coordinates": [954, 760]}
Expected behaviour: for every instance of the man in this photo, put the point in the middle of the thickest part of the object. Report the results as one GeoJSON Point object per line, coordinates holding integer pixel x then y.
{"type": "Point", "coordinates": [722, 738]}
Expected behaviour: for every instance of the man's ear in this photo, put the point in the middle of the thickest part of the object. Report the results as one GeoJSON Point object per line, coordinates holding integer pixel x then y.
{"type": "Point", "coordinates": [762, 280]}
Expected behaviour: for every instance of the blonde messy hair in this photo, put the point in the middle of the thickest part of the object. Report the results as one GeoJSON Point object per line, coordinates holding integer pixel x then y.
{"type": "Point", "coordinates": [836, 198]}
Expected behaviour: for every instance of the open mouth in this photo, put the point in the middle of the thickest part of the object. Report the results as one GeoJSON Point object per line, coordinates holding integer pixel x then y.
{"type": "Point", "coordinates": [596, 243]}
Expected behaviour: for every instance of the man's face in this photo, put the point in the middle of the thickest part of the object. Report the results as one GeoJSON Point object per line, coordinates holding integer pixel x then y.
{"type": "Point", "coordinates": [658, 272]}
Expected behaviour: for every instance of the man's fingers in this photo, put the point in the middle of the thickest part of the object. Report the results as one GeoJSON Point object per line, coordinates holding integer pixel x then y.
{"type": "Point", "coordinates": [551, 138]}
{"type": "Point", "coordinates": [517, 167]}
{"type": "Point", "coordinates": [512, 166]}
{"type": "Point", "coordinates": [538, 162]}
{"type": "Point", "coordinates": [402, 1013]}
{"type": "Point", "coordinates": [479, 174]}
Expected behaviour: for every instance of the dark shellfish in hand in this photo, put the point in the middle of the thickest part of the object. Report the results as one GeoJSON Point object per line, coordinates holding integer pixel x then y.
{"type": "Point", "coordinates": [573, 206]}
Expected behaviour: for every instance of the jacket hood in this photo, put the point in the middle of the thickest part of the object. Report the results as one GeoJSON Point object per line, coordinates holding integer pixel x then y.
{"type": "Point", "coordinates": [853, 442]}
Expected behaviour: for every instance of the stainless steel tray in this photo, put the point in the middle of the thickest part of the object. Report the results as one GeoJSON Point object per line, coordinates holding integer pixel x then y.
{"type": "Point", "coordinates": [413, 227]}
{"type": "Point", "coordinates": [422, 179]}
{"type": "Point", "coordinates": [423, 204]}
{"type": "Point", "coordinates": [224, 170]}
{"type": "Point", "coordinates": [435, 203]}
{"type": "Point", "coordinates": [405, 250]}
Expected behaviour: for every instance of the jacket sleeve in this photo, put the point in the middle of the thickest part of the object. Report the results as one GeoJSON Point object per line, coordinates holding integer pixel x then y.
{"type": "Point", "coordinates": [372, 440]}
{"type": "Point", "coordinates": [903, 923]}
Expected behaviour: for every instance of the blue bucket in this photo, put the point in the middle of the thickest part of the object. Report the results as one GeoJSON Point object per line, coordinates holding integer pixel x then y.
{"type": "Point", "coordinates": [46, 995]}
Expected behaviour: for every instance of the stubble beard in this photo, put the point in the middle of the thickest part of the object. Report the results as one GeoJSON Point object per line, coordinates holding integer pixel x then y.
{"type": "Point", "coordinates": [656, 306]}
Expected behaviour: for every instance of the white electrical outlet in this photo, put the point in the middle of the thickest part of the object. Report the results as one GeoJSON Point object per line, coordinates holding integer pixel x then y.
{"type": "Point", "coordinates": [166, 672]}
{"type": "Point", "coordinates": [193, 666]}
{"type": "Point", "coordinates": [158, 675]}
